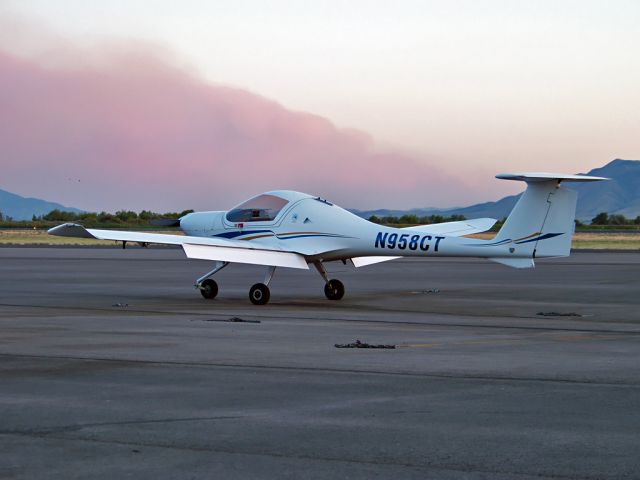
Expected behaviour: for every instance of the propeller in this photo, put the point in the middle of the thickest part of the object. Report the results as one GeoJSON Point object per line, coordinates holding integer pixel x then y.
{"type": "Point", "coordinates": [165, 222]}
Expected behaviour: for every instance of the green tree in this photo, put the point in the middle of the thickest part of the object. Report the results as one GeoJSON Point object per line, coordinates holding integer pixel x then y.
{"type": "Point", "coordinates": [60, 216]}
{"type": "Point", "coordinates": [408, 219]}
{"type": "Point", "coordinates": [104, 217]}
{"type": "Point", "coordinates": [146, 215]}
{"type": "Point", "coordinates": [88, 217]}
{"type": "Point", "coordinates": [601, 219]}
{"type": "Point", "coordinates": [617, 220]}
{"type": "Point", "coordinates": [126, 215]}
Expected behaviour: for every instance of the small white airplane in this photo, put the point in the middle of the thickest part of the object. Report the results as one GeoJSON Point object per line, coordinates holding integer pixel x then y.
{"type": "Point", "coordinates": [292, 229]}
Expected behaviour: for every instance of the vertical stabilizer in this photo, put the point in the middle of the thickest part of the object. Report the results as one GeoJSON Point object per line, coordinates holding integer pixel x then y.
{"type": "Point", "coordinates": [543, 221]}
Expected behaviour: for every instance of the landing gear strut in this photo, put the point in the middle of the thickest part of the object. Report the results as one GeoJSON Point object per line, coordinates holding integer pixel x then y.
{"type": "Point", "coordinates": [259, 293]}
{"type": "Point", "coordinates": [333, 289]}
{"type": "Point", "coordinates": [207, 286]}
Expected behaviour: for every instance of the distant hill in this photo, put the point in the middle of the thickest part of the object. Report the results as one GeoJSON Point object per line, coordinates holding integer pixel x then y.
{"type": "Point", "coordinates": [23, 208]}
{"type": "Point", "coordinates": [621, 195]}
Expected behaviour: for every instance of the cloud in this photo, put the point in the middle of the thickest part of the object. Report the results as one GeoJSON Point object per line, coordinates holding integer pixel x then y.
{"type": "Point", "coordinates": [121, 126]}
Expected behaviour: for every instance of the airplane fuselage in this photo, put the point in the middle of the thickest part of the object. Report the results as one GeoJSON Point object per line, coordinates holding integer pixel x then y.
{"type": "Point", "coordinates": [319, 230]}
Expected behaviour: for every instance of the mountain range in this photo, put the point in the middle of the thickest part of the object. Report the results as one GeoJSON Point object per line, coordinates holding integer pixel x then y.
{"type": "Point", "coordinates": [23, 208]}
{"type": "Point", "coordinates": [621, 195]}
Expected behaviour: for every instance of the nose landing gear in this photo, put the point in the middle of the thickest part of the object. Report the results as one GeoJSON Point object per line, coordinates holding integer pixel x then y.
{"type": "Point", "coordinates": [207, 286]}
{"type": "Point", "coordinates": [209, 289]}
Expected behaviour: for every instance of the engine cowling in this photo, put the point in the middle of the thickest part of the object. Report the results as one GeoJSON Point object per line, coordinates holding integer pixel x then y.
{"type": "Point", "coordinates": [202, 223]}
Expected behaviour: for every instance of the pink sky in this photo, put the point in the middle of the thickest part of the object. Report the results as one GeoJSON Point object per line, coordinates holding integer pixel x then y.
{"type": "Point", "coordinates": [110, 105]}
{"type": "Point", "coordinates": [126, 129]}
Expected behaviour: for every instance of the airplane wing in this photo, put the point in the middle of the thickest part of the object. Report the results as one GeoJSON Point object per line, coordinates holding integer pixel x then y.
{"type": "Point", "coordinates": [451, 229]}
{"type": "Point", "coordinates": [217, 249]}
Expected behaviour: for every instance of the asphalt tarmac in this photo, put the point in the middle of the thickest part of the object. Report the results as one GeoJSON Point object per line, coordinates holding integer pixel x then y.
{"type": "Point", "coordinates": [113, 366]}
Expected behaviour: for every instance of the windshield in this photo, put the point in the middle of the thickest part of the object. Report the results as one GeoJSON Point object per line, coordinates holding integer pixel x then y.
{"type": "Point", "coordinates": [262, 208]}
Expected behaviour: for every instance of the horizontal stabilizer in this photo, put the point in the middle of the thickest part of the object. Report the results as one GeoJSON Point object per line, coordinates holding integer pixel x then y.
{"type": "Point", "coordinates": [515, 262]}
{"type": "Point", "coordinates": [547, 176]}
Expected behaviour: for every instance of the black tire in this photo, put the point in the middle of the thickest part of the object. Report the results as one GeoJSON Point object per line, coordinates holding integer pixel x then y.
{"type": "Point", "coordinates": [259, 294]}
{"type": "Point", "coordinates": [334, 290]}
{"type": "Point", "coordinates": [209, 289]}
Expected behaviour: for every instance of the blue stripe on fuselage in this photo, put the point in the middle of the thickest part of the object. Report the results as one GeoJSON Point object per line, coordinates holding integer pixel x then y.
{"type": "Point", "coordinates": [311, 235]}
{"type": "Point", "coordinates": [281, 236]}
{"type": "Point", "coordinates": [238, 233]}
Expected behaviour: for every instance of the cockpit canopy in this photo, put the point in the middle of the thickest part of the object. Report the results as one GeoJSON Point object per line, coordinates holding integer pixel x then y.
{"type": "Point", "coordinates": [263, 208]}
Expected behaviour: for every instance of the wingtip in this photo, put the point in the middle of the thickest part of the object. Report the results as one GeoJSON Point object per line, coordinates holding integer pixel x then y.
{"type": "Point", "coordinates": [70, 230]}
{"type": "Point", "coordinates": [58, 228]}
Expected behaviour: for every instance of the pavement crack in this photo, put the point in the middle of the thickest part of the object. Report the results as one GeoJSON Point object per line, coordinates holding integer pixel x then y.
{"type": "Point", "coordinates": [322, 458]}
{"type": "Point", "coordinates": [224, 317]}
{"type": "Point", "coordinates": [346, 371]}
{"type": "Point", "coordinates": [81, 426]}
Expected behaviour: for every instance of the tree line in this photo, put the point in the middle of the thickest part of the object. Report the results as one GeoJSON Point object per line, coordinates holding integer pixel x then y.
{"type": "Point", "coordinates": [415, 220]}
{"type": "Point", "coordinates": [129, 217]}
{"type": "Point", "coordinates": [604, 218]}
{"type": "Point", "coordinates": [119, 218]}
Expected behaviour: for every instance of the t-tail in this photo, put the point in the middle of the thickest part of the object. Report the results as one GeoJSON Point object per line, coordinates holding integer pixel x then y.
{"type": "Point", "coordinates": [543, 221]}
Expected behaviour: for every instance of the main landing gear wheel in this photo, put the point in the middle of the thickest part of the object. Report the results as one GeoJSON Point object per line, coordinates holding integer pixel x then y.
{"type": "Point", "coordinates": [209, 288]}
{"type": "Point", "coordinates": [334, 289]}
{"type": "Point", "coordinates": [259, 294]}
